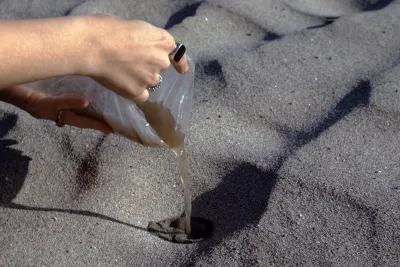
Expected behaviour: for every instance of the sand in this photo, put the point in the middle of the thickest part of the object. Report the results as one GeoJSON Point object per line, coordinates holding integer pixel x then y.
{"type": "Point", "coordinates": [293, 145]}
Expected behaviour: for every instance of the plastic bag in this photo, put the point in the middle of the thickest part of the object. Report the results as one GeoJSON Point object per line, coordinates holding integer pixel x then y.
{"type": "Point", "coordinates": [159, 122]}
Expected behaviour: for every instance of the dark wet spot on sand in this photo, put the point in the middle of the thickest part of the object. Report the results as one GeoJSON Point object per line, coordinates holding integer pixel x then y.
{"type": "Point", "coordinates": [213, 68]}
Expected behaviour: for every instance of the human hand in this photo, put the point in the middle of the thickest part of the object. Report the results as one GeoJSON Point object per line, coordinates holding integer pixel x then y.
{"type": "Point", "coordinates": [127, 56]}
{"type": "Point", "coordinates": [43, 106]}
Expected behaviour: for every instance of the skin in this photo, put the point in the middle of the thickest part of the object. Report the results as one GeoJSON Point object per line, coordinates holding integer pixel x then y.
{"type": "Point", "coordinates": [125, 56]}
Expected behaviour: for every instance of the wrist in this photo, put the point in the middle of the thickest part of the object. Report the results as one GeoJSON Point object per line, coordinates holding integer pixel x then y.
{"type": "Point", "coordinates": [82, 48]}
{"type": "Point", "coordinates": [92, 43]}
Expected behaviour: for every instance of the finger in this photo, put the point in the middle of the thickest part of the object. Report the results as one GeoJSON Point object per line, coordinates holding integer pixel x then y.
{"type": "Point", "coordinates": [118, 85]}
{"type": "Point", "coordinates": [182, 66]}
{"type": "Point", "coordinates": [142, 97]}
{"type": "Point", "coordinates": [69, 102]}
{"type": "Point", "coordinates": [71, 118]}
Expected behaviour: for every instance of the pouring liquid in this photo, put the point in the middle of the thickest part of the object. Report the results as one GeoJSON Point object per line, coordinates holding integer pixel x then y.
{"type": "Point", "coordinates": [162, 121]}
{"type": "Point", "coordinates": [181, 155]}
{"type": "Point", "coordinates": [164, 124]}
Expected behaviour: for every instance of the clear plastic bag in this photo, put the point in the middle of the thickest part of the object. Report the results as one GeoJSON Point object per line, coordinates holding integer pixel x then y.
{"type": "Point", "coordinates": [159, 122]}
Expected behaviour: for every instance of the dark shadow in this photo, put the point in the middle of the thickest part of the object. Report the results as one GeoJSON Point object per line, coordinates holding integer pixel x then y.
{"type": "Point", "coordinates": [178, 17]}
{"type": "Point", "coordinates": [13, 165]}
{"type": "Point", "coordinates": [69, 211]}
{"type": "Point", "coordinates": [237, 202]}
{"type": "Point", "coordinates": [7, 123]}
{"type": "Point", "coordinates": [87, 172]}
{"type": "Point", "coordinates": [241, 199]}
{"type": "Point", "coordinates": [75, 4]}
{"type": "Point", "coordinates": [327, 22]}
{"type": "Point", "coordinates": [359, 96]}
{"type": "Point", "coordinates": [380, 4]}
{"type": "Point", "coordinates": [271, 36]}
{"type": "Point", "coordinates": [14, 168]}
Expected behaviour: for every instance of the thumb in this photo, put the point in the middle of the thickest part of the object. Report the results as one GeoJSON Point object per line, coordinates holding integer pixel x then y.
{"type": "Point", "coordinates": [70, 102]}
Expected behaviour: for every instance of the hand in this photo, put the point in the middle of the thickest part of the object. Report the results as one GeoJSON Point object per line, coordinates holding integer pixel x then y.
{"type": "Point", "coordinates": [127, 56]}
{"type": "Point", "coordinates": [42, 106]}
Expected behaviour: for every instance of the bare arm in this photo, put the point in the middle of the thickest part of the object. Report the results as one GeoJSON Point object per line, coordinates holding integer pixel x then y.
{"type": "Point", "coordinates": [32, 50]}
{"type": "Point", "coordinates": [124, 56]}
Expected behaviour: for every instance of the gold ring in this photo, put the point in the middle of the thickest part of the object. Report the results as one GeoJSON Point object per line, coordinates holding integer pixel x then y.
{"type": "Point", "coordinates": [59, 123]}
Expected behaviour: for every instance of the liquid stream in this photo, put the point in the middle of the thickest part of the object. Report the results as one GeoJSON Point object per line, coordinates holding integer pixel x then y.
{"type": "Point", "coordinates": [163, 123]}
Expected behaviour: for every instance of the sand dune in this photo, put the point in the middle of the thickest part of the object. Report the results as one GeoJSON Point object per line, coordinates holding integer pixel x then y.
{"type": "Point", "coordinates": [293, 145]}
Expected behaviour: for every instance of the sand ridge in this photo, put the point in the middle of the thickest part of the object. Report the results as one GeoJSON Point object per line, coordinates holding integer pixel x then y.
{"type": "Point", "coordinates": [292, 145]}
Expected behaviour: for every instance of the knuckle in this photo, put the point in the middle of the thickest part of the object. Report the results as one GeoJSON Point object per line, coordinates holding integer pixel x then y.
{"type": "Point", "coordinates": [165, 63]}
{"type": "Point", "coordinates": [153, 79]}
{"type": "Point", "coordinates": [169, 40]}
{"type": "Point", "coordinates": [142, 23]}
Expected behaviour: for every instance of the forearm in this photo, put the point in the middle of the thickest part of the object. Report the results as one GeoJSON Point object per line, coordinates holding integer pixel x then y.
{"type": "Point", "coordinates": [32, 50]}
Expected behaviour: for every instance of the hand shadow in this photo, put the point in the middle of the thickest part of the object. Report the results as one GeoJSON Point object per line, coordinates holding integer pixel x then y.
{"type": "Point", "coordinates": [14, 169]}
{"type": "Point", "coordinates": [13, 165]}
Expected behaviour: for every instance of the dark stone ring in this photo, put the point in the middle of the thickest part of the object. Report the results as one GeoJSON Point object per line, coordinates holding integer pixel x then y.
{"type": "Point", "coordinates": [178, 52]}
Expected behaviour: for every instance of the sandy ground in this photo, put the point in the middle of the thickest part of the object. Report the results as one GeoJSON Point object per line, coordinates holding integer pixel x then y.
{"type": "Point", "coordinates": [293, 145]}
